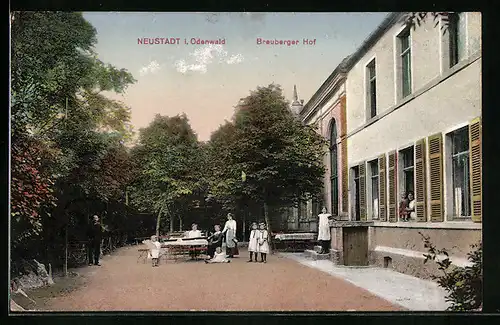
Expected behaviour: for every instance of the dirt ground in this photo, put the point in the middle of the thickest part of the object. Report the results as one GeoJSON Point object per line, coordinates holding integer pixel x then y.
{"type": "Point", "coordinates": [124, 284]}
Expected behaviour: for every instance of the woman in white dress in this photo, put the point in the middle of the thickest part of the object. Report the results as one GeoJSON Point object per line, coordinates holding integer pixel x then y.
{"type": "Point", "coordinates": [263, 241]}
{"type": "Point", "coordinates": [324, 230]}
{"type": "Point", "coordinates": [253, 242]}
{"type": "Point", "coordinates": [230, 233]}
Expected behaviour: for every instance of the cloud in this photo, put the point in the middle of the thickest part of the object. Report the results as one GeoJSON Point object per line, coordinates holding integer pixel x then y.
{"type": "Point", "coordinates": [152, 67]}
{"type": "Point", "coordinates": [204, 56]}
{"type": "Point", "coordinates": [235, 59]}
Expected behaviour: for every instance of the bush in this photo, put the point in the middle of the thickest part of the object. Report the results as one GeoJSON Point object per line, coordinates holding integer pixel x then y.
{"type": "Point", "coordinates": [463, 284]}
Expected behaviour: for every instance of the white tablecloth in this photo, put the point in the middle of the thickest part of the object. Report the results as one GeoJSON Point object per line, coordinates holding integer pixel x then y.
{"type": "Point", "coordinates": [297, 236]}
{"type": "Point", "coordinates": [194, 242]}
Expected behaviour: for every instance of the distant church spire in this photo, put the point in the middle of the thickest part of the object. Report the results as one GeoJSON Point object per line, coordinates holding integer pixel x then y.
{"type": "Point", "coordinates": [296, 104]}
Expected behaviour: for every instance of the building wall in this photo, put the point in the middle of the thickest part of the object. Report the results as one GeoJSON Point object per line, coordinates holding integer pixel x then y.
{"type": "Point", "coordinates": [405, 247]}
{"type": "Point", "coordinates": [451, 103]}
{"type": "Point", "coordinates": [426, 66]}
{"type": "Point", "coordinates": [442, 100]}
{"type": "Point", "coordinates": [330, 111]}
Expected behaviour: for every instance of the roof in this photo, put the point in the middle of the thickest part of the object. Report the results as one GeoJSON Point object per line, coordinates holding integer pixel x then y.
{"type": "Point", "coordinates": [348, 62]}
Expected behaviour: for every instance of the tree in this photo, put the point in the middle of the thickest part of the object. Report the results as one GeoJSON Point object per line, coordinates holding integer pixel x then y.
{"type": "Point", "coordinates": [282, 158]}
{"type": "Point", "coordinates": [415, 19]}
{"type": "Point", "coordinates": [464, 285]}
{"type": "Point", "coordinates": [64, 130]}
{"type": "Point", "coordinates": [170, 168]}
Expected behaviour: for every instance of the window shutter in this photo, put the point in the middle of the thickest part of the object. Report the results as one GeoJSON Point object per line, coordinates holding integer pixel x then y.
{"type": "Point", "coordinates": [392, 187]}
{"type": "Point", "coordinates": [476, 169]}
{"type": "Point", "coordinates": [382, 196]}
{"type": "Point", "coordinates": [436, 176]}
{"type": "Point", "coordinates": [420, 186]}
{"type": "Point", "coordinates": [362, 191]}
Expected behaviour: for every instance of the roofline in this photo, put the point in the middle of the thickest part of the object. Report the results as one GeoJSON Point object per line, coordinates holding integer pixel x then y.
{"type": "Point", "coordinates": [348, 63]}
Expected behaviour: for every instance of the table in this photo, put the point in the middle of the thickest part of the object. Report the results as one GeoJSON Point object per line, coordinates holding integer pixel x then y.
{"type": "Point", "coordinates": [183, 246]}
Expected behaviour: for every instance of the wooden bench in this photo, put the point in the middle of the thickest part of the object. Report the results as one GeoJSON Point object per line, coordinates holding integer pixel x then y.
{"type": "Point", "coordinates": [143, 253]}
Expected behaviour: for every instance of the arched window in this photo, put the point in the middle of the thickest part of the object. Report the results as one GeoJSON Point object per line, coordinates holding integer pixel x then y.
{"type": "Point", "coordinates": [334, 180]}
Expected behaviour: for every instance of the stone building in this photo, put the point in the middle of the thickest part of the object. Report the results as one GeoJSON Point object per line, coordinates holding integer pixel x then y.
{"type": "Point", "coordinates": [403, 114]}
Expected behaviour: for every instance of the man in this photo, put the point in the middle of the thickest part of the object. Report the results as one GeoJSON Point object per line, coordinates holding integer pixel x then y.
{"type": "Point", "coordinates": [94, 241]}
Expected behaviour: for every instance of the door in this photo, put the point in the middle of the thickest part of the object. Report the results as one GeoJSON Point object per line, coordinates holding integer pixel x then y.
{"type": "Point", "coordinates": [355, 246]}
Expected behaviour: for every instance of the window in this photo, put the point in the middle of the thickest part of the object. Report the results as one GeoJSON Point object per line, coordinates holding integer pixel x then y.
{"type": "Point", "coordinates": [460, 172]}
{"type": "Point", "coordinates": [456, 29]}
{"type": "Point", "coordinates": [372, 89]}
{"type": "Point", "coordinates": [374, 188]}
{"type": "Point", "coordinates": [355, 173]}
{"type": "Point", "coordinates": [407, 170]}
{"type": "Point", "coordinates": [334, 169]}
{"type": "Point", "coordinates": [405, 46]}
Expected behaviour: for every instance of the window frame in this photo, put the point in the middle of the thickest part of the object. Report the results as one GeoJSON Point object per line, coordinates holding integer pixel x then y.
{"type": "Point", "coordinates": [405, 53]}
{"type": "Point", "coordinates": [370, 195]}
{"type": "Point", "coordinates": [449, 177]}
{"type": "Point", "coordinates": [334, 173]}
{"type": "Point", "coordinates": [371, 89]}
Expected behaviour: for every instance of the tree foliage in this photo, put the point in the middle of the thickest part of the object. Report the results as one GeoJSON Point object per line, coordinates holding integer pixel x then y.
{"type": "Point", "coordinates": [68, 154]}
{"type": "Point", "coordinates": [463, 284]}
{"type": "Point", "coordinates": [415, 19]}
{"type": "Point", "coordinates": [282, 158]}
{"type": "Point", "coordinates": [170, 161]}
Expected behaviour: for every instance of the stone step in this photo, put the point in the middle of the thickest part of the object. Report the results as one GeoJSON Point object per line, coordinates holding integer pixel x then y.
{"type": "Point", "coordinates": [311, 254]}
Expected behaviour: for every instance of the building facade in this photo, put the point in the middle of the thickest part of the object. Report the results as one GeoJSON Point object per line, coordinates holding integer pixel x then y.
{"type": "Point", "coordinates": [412, 119]}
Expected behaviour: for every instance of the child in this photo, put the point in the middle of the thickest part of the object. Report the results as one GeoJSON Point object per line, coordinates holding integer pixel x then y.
{"type": "Point", "coordinates": [253, 242]}
{"type": "Point", "coordinates": [155, 250]}
{"type": "Point", "coordinates": [219, 257]}
{"type": "Point", "coordinates": [263, 246]}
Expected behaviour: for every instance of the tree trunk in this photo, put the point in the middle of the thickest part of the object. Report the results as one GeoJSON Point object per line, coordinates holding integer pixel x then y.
{"type": "Point", "coordinates": [244, 227]}
{"type": "Point", "coordinates": [180, 223]}
{"type": "Point", "coordinates": [66, 251]}
{"type": "Point", "coordinates": [158, 219]}
{"type": "Point", "coordinates": [268, 222]}
{"type": "Point", "coordinates": [171, 224]}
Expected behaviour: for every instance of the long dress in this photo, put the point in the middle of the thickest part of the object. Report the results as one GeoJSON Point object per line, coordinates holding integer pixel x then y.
{"type": "Point", "coordinates": [230, 231]}
{"type": "Point", "coordinates": [214, 241]}
{"type": "Point", "coordinates": [253, 242]}
{"type": "Point", "coordinates": [263, 246]}
{"type": "Point", "coordinates": [323, 227]}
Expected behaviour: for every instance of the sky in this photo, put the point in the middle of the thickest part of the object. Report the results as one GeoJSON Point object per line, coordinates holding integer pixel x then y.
{"type": "Point", "coordinates": [205, 81]}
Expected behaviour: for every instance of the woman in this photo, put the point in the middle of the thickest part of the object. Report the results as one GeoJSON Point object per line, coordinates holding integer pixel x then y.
{"type": "Point", "coordinates": [214, 241]}
{"type": "Point", "coordinates": [324, 230]}
{"type": "Point", "coordinates": [411, 207]}
{"type": "Point", "coordinates": [230, 233]}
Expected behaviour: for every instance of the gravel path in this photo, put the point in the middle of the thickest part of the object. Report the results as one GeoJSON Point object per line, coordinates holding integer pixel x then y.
{"type": "Point", "coordinates": [122, 284]}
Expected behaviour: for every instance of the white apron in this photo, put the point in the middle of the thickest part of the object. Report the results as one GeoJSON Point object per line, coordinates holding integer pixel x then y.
{"type": "Point", "coordinates": [323, 227]}
{"type": "Point", "coordinates": [253, 242]}
{"type": "Point", "coordinates": [263, 245]}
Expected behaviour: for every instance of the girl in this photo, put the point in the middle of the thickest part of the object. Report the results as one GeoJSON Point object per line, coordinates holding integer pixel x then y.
{"type": "Point", "coordinates": [263, 247]}
{"type": "Point", "coordinates": [253, 242]}
{"type": "Point", "coordinates": [155, 250]}
{"type": "Point", "coordinates": [219, 257]}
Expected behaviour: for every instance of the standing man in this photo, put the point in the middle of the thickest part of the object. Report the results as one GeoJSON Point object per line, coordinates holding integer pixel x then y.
{"type": "Point", "coordinates": [94, 241]}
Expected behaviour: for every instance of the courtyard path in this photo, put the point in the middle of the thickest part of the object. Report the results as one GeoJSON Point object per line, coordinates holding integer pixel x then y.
{"type": "Point", "coordinates": [123, 284]}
